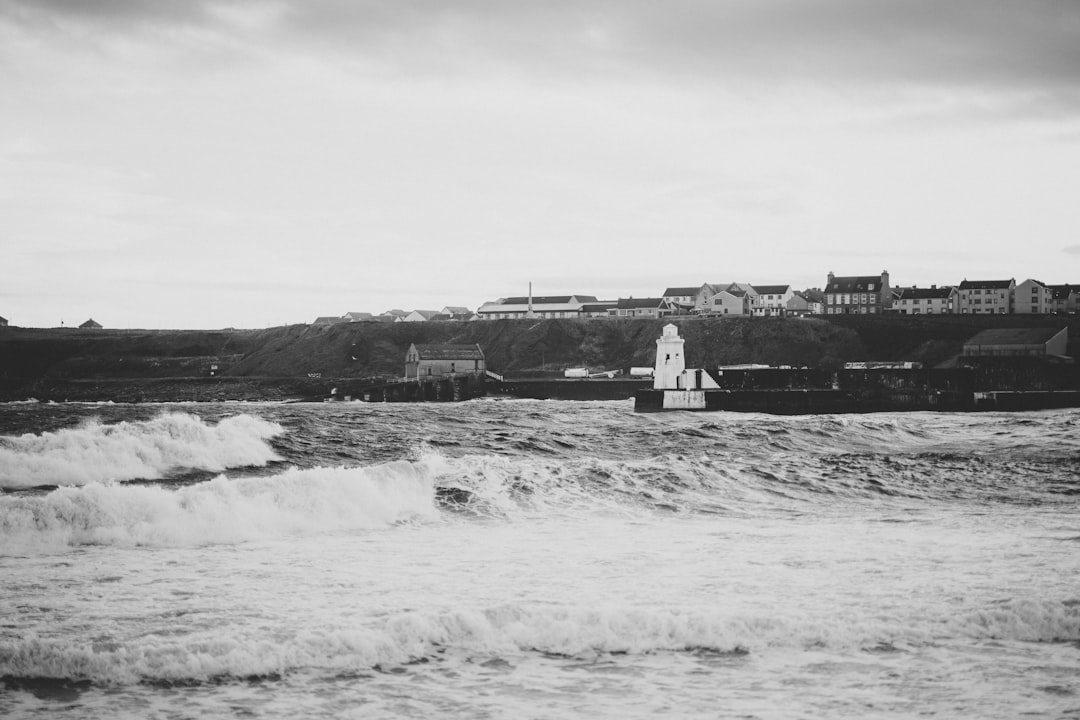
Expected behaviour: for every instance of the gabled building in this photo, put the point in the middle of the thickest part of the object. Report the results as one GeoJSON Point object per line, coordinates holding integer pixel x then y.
{"type": "Point", "coordinates": [1013, 342]}
{"type": "Point", "coordinates": [395, 315]}
{"type": "Point", "coordinates": [445, 359]}
{"type": "Point", "coordinates": [358, 317]}
{"type": "Point", "coordinates": [1032, 297]}
{"type": "Point", "coordinates": [692, 299]}
{"type": "Point", "coordinates": [458, 312]}
{"type": "Point", "coordinates": [328, 320]}
{"type": "Point", "coordinates": [771, 300]}
{"type": "Point", "coordinates": [985, 297]}
{"type": "Point", "coordinates": [91, 324]}
{"type": "Point", "coordinates": [3, 322]}
{"type": "Point", "coordinates": [924, 301]}
{"type": "Point", "coordinates": [644, 307]}
{"type": "Point", "coordinates": [857, 294]}
{"type": "Point", "coordinates": [730, 301]}
{"type": "Point", "coordinates": [802, 304]}
{"type": "Point", "coordinates": [549, 306]}
{"type": "Point", "coordinates": [1064, 298]}
{"type": "Point", "coordinates": [420, 316]}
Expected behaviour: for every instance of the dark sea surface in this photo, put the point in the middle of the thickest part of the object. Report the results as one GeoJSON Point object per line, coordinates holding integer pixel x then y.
{"type": "Point", "coordinates": [535, 559]}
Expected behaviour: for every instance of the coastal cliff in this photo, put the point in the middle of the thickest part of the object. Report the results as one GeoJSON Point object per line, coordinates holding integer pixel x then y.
{"type": "Point", "coordinates": [303, 361]}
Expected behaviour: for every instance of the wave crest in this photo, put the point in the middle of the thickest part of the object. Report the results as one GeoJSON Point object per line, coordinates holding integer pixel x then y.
{"type": "Point", "coordinates": [508, 631]}
{"type": "Point", "coordinates": [149, 449]}
{"type": "Point", "coordinates": [221, 510]}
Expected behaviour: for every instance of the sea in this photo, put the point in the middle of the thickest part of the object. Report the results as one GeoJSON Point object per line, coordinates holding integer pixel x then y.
{"type": "Point", "coordinates": [535, 559]}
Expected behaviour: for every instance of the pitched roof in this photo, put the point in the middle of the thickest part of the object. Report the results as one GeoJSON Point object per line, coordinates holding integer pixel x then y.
{"type": "Point", "coordinates": [680, 291]}
{"type": "Point", "coordinates": [641, 303]}
{"type": "Point", "coordinates": [449, 352]}
{"type": "Point", "coordinates": [354, 316]}
{"type": "Point", "coordinates": [854, 284]}
{"type": "Point", "coordinates": [771, 289]}
{"type": "Point", "coordinates": [327, 320]}
{"type": "Point", "coordinates": [986, 284]}
{"type": "Point", "coordinates": [91, 323]}
{"type": "Point", "coordinates": [1014, 336]}
{"type": "Point", "coordinates": [548, 299]}
{"type": "Point", "coordinates": [457, 310]}
{"type": "Point", "coordinates": [942, 293]}
{"type": "Point", "coordinates": [1062, 292]}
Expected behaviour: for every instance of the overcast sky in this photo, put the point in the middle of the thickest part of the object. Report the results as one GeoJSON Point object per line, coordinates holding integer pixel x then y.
{"type": "Point", "coordinates": [216, 163]}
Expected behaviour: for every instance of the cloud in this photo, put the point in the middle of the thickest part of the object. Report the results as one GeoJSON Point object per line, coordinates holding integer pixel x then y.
{"type": "Point", "coordinates": [985, 46]}
{"type": "Point", "coordinates": [1072, 249]}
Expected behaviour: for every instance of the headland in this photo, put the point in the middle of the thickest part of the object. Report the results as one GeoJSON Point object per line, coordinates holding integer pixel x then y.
{"type": "Point", "coordinates": [307, 361]}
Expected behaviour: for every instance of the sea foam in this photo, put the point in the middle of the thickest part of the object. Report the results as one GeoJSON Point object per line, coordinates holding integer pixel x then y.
{"type": "Point", "coordinates": [149, 449]}
{"type": "Point", "coordinates": [222, 510]}
{"type": "Point", "coordinates": [508, 631]}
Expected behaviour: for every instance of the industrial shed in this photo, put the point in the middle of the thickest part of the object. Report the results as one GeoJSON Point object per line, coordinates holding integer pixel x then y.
{"type": "Point", "coordinates": [1018, 342]}
{"type": "Point", "coordinates": [439, 360]}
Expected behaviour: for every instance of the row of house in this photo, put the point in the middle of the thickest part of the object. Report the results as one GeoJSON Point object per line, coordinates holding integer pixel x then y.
{"type": "Point", "coordinates": [450, 312]}
{"type": "Point", "coordinates": [984, 297]}
{"type": "Point", "coordinates": [843, 295]}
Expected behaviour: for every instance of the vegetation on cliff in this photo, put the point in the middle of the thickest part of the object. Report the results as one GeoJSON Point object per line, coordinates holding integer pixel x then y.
{"type": "Point", "coordinates": [294, 359]}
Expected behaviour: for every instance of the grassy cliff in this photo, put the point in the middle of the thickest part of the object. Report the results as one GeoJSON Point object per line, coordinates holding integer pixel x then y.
{"type": "Point", "coordinates": [301, 359]}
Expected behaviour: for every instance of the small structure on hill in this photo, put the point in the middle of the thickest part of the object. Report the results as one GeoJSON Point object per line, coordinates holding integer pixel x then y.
{"type": "Point", "coordinates": [90, 324]}
{"type": "Point", "coordinates": [1018, 342]}
{"type": "Point", "coordinates": [3, 322]}
{"type": "Point", "coordinates": [441, 360]}
{"type": "Point", "coordinates": [328, 320]}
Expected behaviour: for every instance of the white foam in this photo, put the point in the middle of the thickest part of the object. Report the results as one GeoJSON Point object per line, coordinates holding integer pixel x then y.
{"type": "Point", "coordinates": [147, 449]}
{"type": "Point", "coordinates": [221, 510]}
{"type": "Point", "coordinates": [510, 630]}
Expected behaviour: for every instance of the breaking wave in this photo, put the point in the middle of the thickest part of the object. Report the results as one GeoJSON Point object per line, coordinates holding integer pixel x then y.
{"type": "Point", "coordinates": [149, 449]}
{"type": "Point", "coordinates": [222, 510]}
{"type": "Point", "coordinates": [511, 631]}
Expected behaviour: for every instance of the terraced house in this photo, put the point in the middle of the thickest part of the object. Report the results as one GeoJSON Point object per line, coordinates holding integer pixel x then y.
{"type": "Point", "coordinates": [985, 297]}
{"type": "Point", "coordinates": [924, 301]}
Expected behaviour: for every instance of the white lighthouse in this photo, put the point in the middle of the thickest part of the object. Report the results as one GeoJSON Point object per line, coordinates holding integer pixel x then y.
{"type": "Point", "coordinates": [670, 361]}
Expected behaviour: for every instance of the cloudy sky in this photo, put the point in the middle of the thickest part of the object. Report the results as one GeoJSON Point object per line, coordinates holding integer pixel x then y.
{"type": "Point", "coordinates": [215, 163]}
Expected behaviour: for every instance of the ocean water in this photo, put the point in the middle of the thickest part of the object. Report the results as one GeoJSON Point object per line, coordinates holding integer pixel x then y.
{"type": "Point", "coordinates": [521, 559]}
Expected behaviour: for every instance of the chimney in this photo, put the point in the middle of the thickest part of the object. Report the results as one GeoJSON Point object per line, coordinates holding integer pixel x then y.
{"type": "Point", "coordinates": [831, 276]}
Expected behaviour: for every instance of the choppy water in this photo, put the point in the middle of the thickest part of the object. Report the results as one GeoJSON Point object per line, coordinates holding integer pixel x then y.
{"type": "Point", "coordinates": [536, 559]}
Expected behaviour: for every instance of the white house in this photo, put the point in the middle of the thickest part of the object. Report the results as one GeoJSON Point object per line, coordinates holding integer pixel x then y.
{"type": "Point", "coordinates": [771, 300]}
